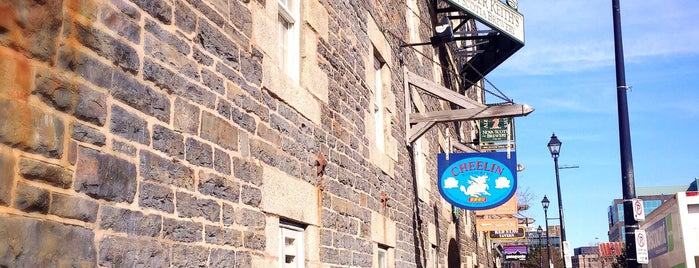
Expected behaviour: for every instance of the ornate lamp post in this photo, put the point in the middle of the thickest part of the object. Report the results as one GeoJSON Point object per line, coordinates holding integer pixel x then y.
{"type": "Point", "coordinates": [539, 231]}
{"type": "Point", "coordinates": [545, 203]}
{"type": "Point", "coordinates": [555, 148]}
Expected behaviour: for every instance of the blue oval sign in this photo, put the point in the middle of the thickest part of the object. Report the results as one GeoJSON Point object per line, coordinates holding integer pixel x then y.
{"type": "Point", "coordinates": [477, 181]}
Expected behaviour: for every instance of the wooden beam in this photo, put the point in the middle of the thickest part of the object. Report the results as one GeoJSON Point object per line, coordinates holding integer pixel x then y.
{"type": "Point", "coordinates": [416, 131]}
{"type": "Point", "coordinates": [462, 147]}
{"type": "Point", "coordinates": [510, 110]}
{"type": "Point", "coordinates": [442, 92]}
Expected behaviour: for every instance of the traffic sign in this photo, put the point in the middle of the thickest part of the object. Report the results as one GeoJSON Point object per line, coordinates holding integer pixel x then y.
{"type": "Point", "coordinates": [639, 213]}
{"type": "Point", "coordinates": [641, 246]}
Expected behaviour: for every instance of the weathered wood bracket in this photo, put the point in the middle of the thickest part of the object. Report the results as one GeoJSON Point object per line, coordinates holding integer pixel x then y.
{"type": "Point", "coordinates": [419, 123]}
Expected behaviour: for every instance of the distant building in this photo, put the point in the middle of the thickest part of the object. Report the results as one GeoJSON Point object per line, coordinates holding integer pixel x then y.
{"type": "Point", "coordinates": [652, 198]}
{"type": "Point", "coordinates": [601, 256]}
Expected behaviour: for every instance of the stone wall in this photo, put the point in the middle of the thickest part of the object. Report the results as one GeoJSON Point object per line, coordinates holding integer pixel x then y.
{"type": "Point", "coordinates": [152, 133]}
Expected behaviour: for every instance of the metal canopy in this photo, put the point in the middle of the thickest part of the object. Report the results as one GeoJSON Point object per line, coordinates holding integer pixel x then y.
{"type": "Point", "coordinates": [489, 48]}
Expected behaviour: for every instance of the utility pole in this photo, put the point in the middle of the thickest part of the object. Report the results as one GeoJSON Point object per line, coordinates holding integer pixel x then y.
{"type": "Point", "coordinates": [627, 181]}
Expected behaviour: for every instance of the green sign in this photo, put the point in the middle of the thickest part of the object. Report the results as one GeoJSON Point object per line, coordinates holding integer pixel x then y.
{"type": "Point", "coordinates": [496, 130]}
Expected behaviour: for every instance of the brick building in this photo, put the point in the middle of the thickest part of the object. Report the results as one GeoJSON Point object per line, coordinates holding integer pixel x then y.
{"type": "Point", "coordinates": [226, 133]}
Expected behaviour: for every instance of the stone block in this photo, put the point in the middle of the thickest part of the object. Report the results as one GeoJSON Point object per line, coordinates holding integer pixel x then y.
{"type": "Point", "coordinates": [161, 10]}
{"type": "Point", "coordinates": [223, 236]}
{"type": "Point", "coordinates": [130, 222]}
{"type": "Point", "coordinates": [187, 256]}
{"type": "Point", "coordinates": [185, 19]}
{"type": "Point", "coordinates": [222, 162]}
{"type": "Point", "coordinates": [251, 218]}
{"type": "Point", "coordinates": [52, 174]}
{"type": "Point", "coordinates": [170, 56]}
{"type": "Point", "coordinates": [168, 141]}
{"type": "Point", "coordinates": [241, 17]}
{"type": "Point", "coordinates": [182, 231]}
{"type": "Point", "coordinates": [250, 195]}
{"type": "Point", "coordinates": [124, 148]}
{"type": "Point", "coordinates": [141, 97]}
{"type": "Point", "coordinates": [91, 106]}
{"type": "Point", "coordinates": [209, 13]}
{"type": "Point", "coordinates": [222, 258]}
{"type": "Point", "coordinates": [165, 171]}
{"type": "Point", "coordinates": [85, 65]}
{"type": "Point", "coordinates": [15, 74]}
{"type": "Point", "coordinates": [73, 207]}
{"type": "Point", "coordinates": [118, 251]}
{"type": "Point", "coordinates": [83, 133]}
{"type": "Point", "coordinates": [120, 23]}
{"type": "Point", "coordinates": [289, 197]}
{"type": "Point", "coordinates": [223, 107]}
{"type": "Point", "coordinates": [30, 129]}
{"type": "Point", "coordinates": [172, 82]}
{"type": "Point", "coordinates": [129, 126]}
{"type": "Point", "coordinates": [218, 44]}
{"type": "Point", "coordinates": [114, 50]}
{"type": "Point", "coordinates": [213, 81]}
{"type": "Point", "coordinates": [251, 67]}
{"type": "Point", "coordinates": [155, 196]}
{"type": "Point", "coordinates": [228, 214]}
{"type": "Point", "coordinates": [26, 242]}
{"type": "Point", "coordinates": [32, 29]}
{"type": "Point", "coordinates": [190, 206]}
{"type": "Point", "coordinates": [181, 45]}
{"type": "Point", "coordinates": [219, 131]}
{"type": "Point", "coordinates": [254, 240]}
{"type": "Point", "coordinates": [199, 153]}
{"type": "Point", "coordinates": [55, 90]}
{"type": "Point", "coordinates": [248, 171]}
{"type": "Point", "coordinates": [219, 187]}
{"type": "Point", "coordinates": [7, 176]}
{"type": "Point", "coordinates": [105, 176]}
{"type": "Point", "coordinates": [244, 120]}
{"type": "Point", "coordinates": [187, 117]}
{"type": "Point", "coordinates": [31, 199]}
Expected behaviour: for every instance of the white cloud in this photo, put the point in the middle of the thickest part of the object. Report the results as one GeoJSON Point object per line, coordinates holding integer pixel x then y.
{"type": "Point", "coordinates": [451, 182]}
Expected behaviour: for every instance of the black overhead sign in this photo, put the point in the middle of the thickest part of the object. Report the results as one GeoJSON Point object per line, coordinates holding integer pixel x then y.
{"type": "Point", "coordinates": [489, 48]}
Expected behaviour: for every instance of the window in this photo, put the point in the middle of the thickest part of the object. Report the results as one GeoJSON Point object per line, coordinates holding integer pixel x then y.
{"type": "Point", "coordinates": [382, 257]}
{"type": "Point", "coordinates": [379, 65]}
{"type": "Point", "coordinates": [289, 38]}
{"type": "Point", "coordinates": [433, 257]}
{"type": "Point", "coordinates": [291, 246]}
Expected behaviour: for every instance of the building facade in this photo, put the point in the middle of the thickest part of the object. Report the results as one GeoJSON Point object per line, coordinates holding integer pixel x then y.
{"type": "Point", "coordinates": [652, 198]}
{"type": "Point", "coordinates": [229, 134]}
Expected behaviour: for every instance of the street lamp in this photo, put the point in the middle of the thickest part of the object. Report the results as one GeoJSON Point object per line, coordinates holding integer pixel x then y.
{"type": "Point", "coordinates": [555, 148]}
{"type": "Point", "coordinates": [545, 203]}
{"type": "Point", "coordinates": [539, 231]}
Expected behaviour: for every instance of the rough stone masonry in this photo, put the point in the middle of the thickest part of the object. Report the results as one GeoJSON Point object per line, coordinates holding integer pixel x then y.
{"type": "Point", "coordinates": [141, 133]}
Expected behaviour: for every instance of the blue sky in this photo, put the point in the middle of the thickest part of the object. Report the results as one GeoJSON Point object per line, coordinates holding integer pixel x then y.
{"type": "Point", "coordinates": [566, 72]}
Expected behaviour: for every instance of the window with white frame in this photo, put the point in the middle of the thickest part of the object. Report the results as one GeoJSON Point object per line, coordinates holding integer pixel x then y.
{"type": "Point", "coordinates": [291, 243]}
{"type": "Point", "coordinates": [382, 257]}
{"type": "Point", "coordinates": [289, 37]}
{"type": "Point", "coordinates": [379, 65]}
{"type": "Point", "coordinates": [433, 257]}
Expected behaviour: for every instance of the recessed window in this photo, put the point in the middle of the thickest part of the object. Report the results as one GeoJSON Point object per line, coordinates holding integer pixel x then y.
{"type": "Point", "coordinates": [289, 37]}
{"type": "Point", "coordinates": [382, 257]}
{"type": "Point", "coordinates": [291, 243]}
{"type": "Point", "coordinates": [379, 65]}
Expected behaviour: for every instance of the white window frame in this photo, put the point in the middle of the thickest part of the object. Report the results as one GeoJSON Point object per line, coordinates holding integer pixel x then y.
{"type": "Point", "coordinates": [382, 257]}
{"type": "Point", "coordinates": [289, 37]}
{"type": "Point", "coordinates": [293, 233]}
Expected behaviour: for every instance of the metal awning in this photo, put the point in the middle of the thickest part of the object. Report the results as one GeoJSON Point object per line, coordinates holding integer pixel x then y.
{"type": "Point", "coordinates": [489, 47]}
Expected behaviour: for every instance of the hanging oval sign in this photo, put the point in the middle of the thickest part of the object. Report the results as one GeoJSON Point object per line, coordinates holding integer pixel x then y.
{"type": "Point", "coordinates": [477, 181]}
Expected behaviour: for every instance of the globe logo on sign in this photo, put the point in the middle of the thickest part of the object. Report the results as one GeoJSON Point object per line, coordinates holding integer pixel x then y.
{"type": "Point", "coordinates": [476, 181]}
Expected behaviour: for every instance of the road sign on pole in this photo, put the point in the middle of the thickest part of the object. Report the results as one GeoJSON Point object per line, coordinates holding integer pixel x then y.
{"type": "Point", "coordinates": [641, 246]}
{"type": "Point", "coordinates": [639, 213]}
